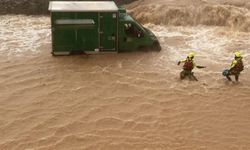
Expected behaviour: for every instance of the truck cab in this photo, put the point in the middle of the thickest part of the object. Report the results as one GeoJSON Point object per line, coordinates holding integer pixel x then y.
{"type": "Point", "coordinates": [133, 36]}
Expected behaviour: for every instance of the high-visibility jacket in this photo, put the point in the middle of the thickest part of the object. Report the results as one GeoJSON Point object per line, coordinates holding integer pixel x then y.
{"type": "Point", "coordinates": [189, 64]}
{"type": "Point", "coordinates": [237, 65]}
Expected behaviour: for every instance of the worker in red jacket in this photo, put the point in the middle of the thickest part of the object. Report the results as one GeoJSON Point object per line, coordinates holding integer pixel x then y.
{"type": "Point", "coordinates": [189, 65]}
{"type": "Point", "coordinates": [236, 67]}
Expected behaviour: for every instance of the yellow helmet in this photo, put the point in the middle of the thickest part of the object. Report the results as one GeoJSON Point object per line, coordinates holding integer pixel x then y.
{"type": "Point", "coordinates": [237, 54]}
{"type": "Point", "coordinates": [191, 55]}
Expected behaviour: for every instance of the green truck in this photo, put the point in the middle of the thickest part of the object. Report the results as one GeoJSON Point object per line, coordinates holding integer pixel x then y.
{"type": "Point", "coordinates": [96, 26]}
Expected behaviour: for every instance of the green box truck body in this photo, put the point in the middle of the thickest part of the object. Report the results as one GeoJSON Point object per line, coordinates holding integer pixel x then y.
{"type": "Point", "coordinates": [95, 26]}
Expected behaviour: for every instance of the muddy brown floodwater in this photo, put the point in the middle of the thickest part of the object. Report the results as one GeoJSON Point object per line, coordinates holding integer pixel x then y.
{"type": "Point", "coordinates": [125, 101]}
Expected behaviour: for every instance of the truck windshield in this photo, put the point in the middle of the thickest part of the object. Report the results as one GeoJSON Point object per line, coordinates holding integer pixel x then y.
{"type": "Point", "coordinates": [138, 24]}
{"type": "Point", "coordinates": [132, 30]}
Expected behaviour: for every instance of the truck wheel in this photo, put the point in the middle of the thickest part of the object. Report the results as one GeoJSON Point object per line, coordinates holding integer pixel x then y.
{"type": "Point", "coordinates": [156, 46]}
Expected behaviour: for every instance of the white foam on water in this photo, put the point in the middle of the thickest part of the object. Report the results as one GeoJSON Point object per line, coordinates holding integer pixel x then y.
{"type": "Point", "coordinates": [206, 42]}
{"type": "Point", "coordinates": [20, 34]}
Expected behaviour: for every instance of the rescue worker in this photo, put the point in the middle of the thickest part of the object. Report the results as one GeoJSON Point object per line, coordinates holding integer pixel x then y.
{"type": "Point", "coordinates": [236, 67]}
{"type": "Point", "coordinates": [189, 65]}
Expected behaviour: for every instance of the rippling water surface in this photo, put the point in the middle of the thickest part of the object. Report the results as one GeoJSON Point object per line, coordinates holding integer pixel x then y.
{"type": "Point", "coordinates": [122, 101]}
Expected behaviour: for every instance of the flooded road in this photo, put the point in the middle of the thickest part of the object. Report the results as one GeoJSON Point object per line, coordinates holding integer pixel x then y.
{"type": "Point", "coordinates": [125, 101]}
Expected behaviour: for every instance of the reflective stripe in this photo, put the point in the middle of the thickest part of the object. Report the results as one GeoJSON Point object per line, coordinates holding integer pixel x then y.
{"type": "Point", "coordinates": [75, 21]}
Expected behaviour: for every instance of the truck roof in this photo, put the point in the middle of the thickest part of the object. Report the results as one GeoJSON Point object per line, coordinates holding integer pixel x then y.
{"type": "Point", "coordinates": [82, 6]}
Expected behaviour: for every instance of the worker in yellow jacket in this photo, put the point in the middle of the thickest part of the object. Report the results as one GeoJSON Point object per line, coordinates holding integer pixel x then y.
{"type": "Point", "coordinates": [189, 65]}
{"type": "Point", "coordinates": [236, 67]}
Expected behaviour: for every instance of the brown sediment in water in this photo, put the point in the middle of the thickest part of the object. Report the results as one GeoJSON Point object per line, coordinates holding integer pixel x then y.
{"type": "Point", "coordinates": [127, 101]}
{"type": "Point", "coordinates": [192, 13]}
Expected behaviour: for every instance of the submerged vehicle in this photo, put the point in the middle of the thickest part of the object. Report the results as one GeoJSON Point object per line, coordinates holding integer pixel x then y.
{"type": "Point", "coordinates": [96, 26]}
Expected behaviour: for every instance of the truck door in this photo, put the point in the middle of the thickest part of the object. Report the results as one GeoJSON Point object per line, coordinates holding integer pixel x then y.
{"type": "Point", "coordinates": [108, 31]}
{"type": "Point", "coordinates": [132, 38]}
